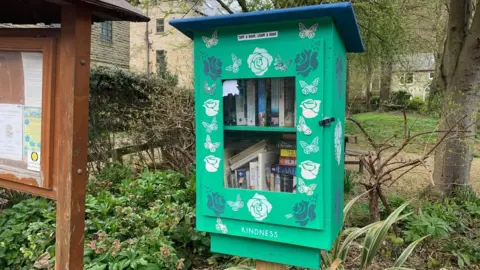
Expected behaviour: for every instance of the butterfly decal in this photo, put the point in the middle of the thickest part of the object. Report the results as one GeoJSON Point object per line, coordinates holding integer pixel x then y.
{"type": "Point", "coordinates": [310, 148]}
{"type": "Point", "coordinates": [309, 88]}
{"type": "Point", "coordinates": [221, 227]}
{"type": "Point", "coordinates": [303, 188]}
{"type": "Point", "coordinates": [236, 205]}
{"type": "Point", "coordinates": [288, 216]}
{"type": "Point", "coordinates": [236, 64]}
{"type": "Point", "coordinates": [210, 42]}
{"type": "Point", "coordinates": [282, 66]}
{"type": "Point", "coordinates": [307, 32]}
{"type": "Point", "coordinates": [209, 127]}
{"type": "Point", "coordinates": [211, 146]}
{"type": "Point", "coordinates": [210, 90]}
{"type": "Point", "coordinates": [302, 126]}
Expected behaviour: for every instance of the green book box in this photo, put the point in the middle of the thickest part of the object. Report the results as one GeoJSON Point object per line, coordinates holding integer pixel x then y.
{"type": "Point", "coordinates": [270, 121]}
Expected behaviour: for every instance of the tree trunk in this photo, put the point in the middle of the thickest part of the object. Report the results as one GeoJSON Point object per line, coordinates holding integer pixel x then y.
{"type": "Point", "coordinates": [386, 83]}
{"type": "Point", "coordinates": [461, 70]}
{"type": "Point", "coordinates": [373, 204]}
{"type": "Point", "coordinates": [368, 81]}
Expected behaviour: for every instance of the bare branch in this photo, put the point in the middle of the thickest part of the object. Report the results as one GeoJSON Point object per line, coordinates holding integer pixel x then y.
{"type": "Point", "coordinates": [243, 5]}
{"type": "Point", "coordinates": [372, 142]}
{"type": "Point", "coordinates": [225, 6]}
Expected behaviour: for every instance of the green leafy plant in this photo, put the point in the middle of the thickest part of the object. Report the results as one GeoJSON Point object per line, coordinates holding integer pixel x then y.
{"type": "Point", "coordinates": [374, 235]}
{"type": "Point", "coordinates": [143, 221]}
{"type": "Point", "coordinates": [416, 104]}
{"type": "Point", "coordinates": [399, 97]}
{"type": "Point", "coordinates": [349, 181]}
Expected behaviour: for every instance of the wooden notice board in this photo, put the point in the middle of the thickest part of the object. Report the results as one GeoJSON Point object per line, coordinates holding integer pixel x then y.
{"type": "Point", "coordinates": [26, 113]}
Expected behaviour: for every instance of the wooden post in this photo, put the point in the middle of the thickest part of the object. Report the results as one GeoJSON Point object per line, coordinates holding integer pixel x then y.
{"type": "Point", "coordinates": [261, 265]}
{"type": "Point", "coordinates": [71, 105]}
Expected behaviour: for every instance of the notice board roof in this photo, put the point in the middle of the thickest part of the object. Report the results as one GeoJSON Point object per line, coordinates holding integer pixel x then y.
{"type": "Point", "coordinates": [49, 11]}
{"type": "Point", "coordinates": [341, 13]}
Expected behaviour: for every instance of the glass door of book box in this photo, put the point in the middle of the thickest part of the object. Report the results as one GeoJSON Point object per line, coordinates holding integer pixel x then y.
{"type": "Point", "coordinates": [260, 135]}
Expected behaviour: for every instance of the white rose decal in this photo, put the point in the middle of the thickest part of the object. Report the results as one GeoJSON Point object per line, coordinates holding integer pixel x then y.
{"type": "Point", "coordinates": [309, 169]}
{"type": "Point", "coordinates": [211, 107]}
{"type": "Point", "coordinates": [259, 61]}
{"type": "Point", "coordinates": [259, 207]}
{"type": "Point", "coordinates": [310, 108]}
{"type": "Point", "coordinates": [338, 142]}
{"type": "Point", "coordinates": [212, 163]}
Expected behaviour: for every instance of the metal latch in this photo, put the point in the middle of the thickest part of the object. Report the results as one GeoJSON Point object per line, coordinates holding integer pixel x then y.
{"type": "Point", "coordinates": [326, 122]}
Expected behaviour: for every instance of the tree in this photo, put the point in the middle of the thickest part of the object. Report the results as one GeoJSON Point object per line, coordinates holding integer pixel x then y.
{"type": "Point", "coordinates": [459, 80]}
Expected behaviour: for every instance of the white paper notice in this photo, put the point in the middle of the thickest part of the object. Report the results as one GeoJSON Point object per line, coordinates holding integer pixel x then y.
{"type": "Point", "coordinates": [32, 74]}
{"type": "Point", "coordinates": [11, 131]}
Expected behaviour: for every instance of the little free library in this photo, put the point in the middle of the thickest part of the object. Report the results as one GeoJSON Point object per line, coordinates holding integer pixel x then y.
{"type": "Point", "coordinates": [44, 93]}
{"type": "Point", "coordinates": [270, 120]}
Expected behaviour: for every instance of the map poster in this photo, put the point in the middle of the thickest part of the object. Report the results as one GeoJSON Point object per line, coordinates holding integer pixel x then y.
{"type": "Point", "coordinates": [11, 131]}
{"type": "Point", "coordinates": [32, 133]}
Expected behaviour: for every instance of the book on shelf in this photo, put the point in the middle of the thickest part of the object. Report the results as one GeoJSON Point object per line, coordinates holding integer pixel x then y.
{"type": "Point", "coordinates": [262, 102]}
{"type": "Point", "coordinates": [286, 183]}
{"type": "Point", "coordinates": [281, 169]}
{"type": "Point", "coordinates": [288, 161]}
{"type": "Point", "coordinates": [281, 102]}
{"type": "Point", "coordinates": [241, 178]}
{"type": "Point", "coordinates": [274, 102]}
{"type": "Point", "coordinates": [229, 113]}
{"type": "Point", "coordinates": [294, 184]}
{"type": "Point", "coordinates": [265, 161]}
{"type": "Point", "coordinates": [242, 158]}
{"type": "Point", "coordinates": [289, 100]}
{"type": "Point", "coordinates": [254, 175]}
{"type": "Point", "coordinates": [240, 109]}
{"type": "Point", "coordinates": [251, 102]}
{"type": "Point", "coordinates": [277, 185]}
{"type": "Point", "coordinates": [286, 144]}
{"type": "Point", "coordinates": [288, 153]}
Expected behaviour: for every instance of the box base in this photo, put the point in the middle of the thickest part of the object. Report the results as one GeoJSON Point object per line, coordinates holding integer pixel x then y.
{"type": "Point", "coordinates": [266, 251]}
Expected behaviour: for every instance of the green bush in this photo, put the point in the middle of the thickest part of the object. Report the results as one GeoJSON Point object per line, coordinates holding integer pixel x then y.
{"type": "Point", "coordinates": [416, 104]}
{"type": "Point", "coordinates": [143, 221]}
{"type": "Point", "coordinates": [399, 98]}
{"type": "Point", "coordinates": [375, 102]}
{"type": "Point", "coordinates": [349, 181]}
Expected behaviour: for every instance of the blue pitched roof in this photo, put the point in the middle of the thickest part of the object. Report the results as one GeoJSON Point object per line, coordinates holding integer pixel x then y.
{"type": "Point", "coordinates": [341, 13]}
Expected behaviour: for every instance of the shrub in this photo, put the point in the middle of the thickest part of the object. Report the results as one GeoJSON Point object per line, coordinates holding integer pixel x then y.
{"type": "Point", "coordinates": [349, 181]}
{"type": "Point", "coordinates": [399, 98]}
{"type": "Point", "coordinates": [143, 221]}
{"type": "Point", "coordinates": [125, 111]}
{"type": "Point", "coordinates": [416, 104]}
{"type": "Point", "coordinates": [375, 102]}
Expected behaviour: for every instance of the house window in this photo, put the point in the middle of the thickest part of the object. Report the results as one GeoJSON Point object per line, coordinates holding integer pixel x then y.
{"type": "Point", "coordinates": [406, 78]}
{"type": "Point", "coordinates": [430, 76]}
{"type": "Point", "coordinates": [161, 57]}
{"type": "Point", "coordinates": [160, 25]}
{"type": "Point", "coordinates": [106, 32]}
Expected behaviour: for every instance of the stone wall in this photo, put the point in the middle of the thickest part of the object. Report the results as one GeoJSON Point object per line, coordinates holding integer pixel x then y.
{"type": "Point", "coordinates": [116, 53]}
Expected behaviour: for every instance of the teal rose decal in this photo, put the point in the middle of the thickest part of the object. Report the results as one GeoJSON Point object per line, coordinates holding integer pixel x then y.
{"type": "Point", "coordinates": [212, 67]}
{"type": "Point", "coordinates": [216, 203]}
{"type": "Point", "coordinates": [304, 212]}
{"type": "Point", "coordinates": [306, 62]}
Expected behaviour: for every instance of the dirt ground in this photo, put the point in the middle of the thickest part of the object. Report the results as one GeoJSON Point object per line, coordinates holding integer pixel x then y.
{"type": "Point", "coordinates": [419, 178]}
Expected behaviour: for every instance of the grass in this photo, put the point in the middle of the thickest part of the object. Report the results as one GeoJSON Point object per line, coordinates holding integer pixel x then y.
{"type": "Point", "coordinates": [382, 126]}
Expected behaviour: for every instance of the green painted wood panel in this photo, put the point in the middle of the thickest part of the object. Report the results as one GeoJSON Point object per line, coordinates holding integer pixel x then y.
{"type": "Point", "coordinates": [312, 52]}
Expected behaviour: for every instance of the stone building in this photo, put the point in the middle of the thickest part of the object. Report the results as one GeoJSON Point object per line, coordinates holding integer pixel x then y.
{"type": "Point", "coordinates": [157, 42]}
{"type": "Point", "coordinates": [110, 45]}
{"type": "Point", "coordinates": [414, 73]}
